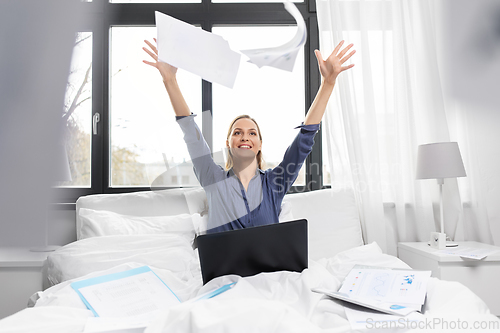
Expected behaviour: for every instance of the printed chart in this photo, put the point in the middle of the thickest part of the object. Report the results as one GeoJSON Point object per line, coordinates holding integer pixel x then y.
{"type": "Point", "coordinates": [385, 285]}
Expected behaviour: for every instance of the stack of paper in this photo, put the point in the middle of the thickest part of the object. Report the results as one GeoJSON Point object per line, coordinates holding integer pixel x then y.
{"type": "Point", "coordinates": [392, 291]}
{"type": "Point", "coordinates": [129, 300]}
{"type": "Point", "coordinates": [134, 297]}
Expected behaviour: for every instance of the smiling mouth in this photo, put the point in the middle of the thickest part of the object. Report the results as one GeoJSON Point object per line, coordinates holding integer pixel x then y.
{"type": "Point", "coordinates": [245, 147]}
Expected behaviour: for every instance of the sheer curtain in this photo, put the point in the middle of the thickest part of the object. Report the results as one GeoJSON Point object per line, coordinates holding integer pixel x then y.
{"type": "Point", "coordinates": [392, 101]}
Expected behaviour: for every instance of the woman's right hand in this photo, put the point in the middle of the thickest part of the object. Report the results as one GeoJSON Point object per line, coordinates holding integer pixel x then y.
{"type": "Point", "coordinates": [167, 71]}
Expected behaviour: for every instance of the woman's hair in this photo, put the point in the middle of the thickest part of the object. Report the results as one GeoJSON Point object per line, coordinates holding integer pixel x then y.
{"type": "Point", "coordinates": [260, 160]}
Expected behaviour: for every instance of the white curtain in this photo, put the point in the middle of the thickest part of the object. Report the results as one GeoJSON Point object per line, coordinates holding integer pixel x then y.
{"type": "Point", "coordinates": [392, 101]}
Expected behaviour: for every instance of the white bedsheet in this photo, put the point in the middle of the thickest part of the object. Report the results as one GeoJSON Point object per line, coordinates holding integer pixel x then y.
{"type": "Point", "coordinates": [268, 302]}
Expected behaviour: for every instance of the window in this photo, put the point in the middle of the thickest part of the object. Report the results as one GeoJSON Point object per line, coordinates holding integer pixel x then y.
{"type": "Point", "coordinates": [78, 111]}
{"type": "Point", "coordinates": [130, 140]}
{"type": "Point", "coordinates": [250, 1]}
{"type": "Point", "coordinates": [144, 140]}
{"type": "Point", "coordinates": [155, 1]}
{"type": "Point", "coordinates": [274, 98]}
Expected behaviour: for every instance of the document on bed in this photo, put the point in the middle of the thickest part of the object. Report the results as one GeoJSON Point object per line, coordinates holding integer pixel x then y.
{"type": "Point", "coordinates": [361, 318]}
{"type": "Point", "coordinates": [392, 291]}
{"type": "Point", "coordinates": [137, 293]}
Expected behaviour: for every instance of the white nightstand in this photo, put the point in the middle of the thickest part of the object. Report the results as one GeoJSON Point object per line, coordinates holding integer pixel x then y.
{"type": "Point", "coordinates": [480, 276]}
{"type": "Point", "coordinates": [20, 277]}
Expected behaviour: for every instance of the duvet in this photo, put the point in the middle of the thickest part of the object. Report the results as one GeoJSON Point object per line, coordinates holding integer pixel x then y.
{"type": "Point", "coordinates": [267, 302]}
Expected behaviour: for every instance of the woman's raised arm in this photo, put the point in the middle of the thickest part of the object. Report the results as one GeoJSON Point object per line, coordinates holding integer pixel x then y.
{"type": "Point", "coordinates": [329, 69]}
{"type": "Point", "coordinates": [168, 74]}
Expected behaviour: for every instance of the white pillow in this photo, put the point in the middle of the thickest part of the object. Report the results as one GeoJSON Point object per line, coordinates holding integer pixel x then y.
{"type": "Point", "coordinates": [286, 212]}
{"type": "Point", "coordinates": [144, 203]}
{"type": "Point", "coordinates": [169, 252]}
{"type": "Point", "coordinates": [196, 200]}
{"type": "Point", "coordinates": [105, 223]}
{"type": "Point", "coordinates": [200, 224]}
{"type": "Point", "coordinates": [333, 220]}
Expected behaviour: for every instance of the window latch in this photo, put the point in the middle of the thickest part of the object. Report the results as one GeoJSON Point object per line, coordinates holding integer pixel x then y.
{"type": "Point", "coordinates": [95, 119]}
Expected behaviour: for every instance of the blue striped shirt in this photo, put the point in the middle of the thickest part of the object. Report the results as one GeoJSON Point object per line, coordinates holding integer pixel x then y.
{"type": "Point", "coordinates": [229, 205]}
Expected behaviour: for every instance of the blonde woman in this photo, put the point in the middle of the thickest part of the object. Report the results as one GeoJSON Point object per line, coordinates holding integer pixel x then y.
{"type": "Point", "coordinates": [243, 195]}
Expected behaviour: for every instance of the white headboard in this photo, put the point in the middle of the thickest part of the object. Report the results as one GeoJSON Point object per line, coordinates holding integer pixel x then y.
{"type": "Point", "coordinates": [332, 215]}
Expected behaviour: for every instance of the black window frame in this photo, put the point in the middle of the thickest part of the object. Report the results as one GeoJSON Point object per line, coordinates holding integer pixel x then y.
{"type": "Point", "coordinates": [104, 15]}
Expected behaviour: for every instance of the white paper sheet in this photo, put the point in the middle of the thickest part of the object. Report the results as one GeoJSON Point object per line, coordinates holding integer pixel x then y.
{"type": "Point", "coordinates": [281, 57]}
{"type": "Point", "coordinates": [394, 291]}
{"type": "Point", "coordinates": [202, 53]}
{"type": "Point", "coordinates": [469, 252]}
{"type": "Point", "coordinates": [368, 304]}
{"type": "Point", "coordinates": [138, 293]}
{"type": "Point", "coordinates": [386, 285]}
{"type": "Point", "coordinates": [361, 318]}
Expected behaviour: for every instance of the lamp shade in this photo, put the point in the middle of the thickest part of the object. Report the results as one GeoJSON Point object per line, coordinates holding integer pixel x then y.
{"type": "Point", "coordinates": [439, 160]}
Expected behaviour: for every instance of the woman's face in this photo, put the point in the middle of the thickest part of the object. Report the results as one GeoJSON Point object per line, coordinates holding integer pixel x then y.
{"type": "Point", "coordinates": [244, 138]}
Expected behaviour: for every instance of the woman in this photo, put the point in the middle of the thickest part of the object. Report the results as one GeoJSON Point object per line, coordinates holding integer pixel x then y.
{"type": "Point", "coordinates": [243, 195]}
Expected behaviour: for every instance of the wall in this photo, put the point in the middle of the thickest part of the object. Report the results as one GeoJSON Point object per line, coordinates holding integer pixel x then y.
{"type": "Point", "coordinates": [62, 227]}
{"type": "Point", "coordinates": [486, 132]}
{"type": "Point", "coordinates": [36, 42]}
{"type": "Point", "coordinates": [470, 45]}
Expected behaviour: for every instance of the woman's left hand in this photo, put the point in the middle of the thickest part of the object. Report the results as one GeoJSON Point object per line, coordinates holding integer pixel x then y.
{"type": "Point", "coordinates": [332, 66]}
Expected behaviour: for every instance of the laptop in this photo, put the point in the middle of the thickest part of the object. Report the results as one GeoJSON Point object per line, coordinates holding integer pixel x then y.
{"type": "Point", "coordinates": [246, 252]}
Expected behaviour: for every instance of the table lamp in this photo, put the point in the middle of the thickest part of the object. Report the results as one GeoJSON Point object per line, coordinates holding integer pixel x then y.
{"type": "Point", "coordinates": [439, 161]}
{"type": "Point", "coordinates": [61, 173]}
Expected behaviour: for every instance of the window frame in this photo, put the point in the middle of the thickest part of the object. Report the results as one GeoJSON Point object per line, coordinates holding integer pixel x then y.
{"type": "Point", "coordinates": [206, 14]}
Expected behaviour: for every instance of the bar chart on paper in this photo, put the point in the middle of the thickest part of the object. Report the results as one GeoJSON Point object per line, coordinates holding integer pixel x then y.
{"type": "Point", "coordinates": [385, 285]}
{"type": "Point", "coordinates": [137, 293]}
{"type": "Point", "coordinates": [392, 291]}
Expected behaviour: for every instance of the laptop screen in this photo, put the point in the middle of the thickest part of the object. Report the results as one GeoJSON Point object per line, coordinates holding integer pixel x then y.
{"type": "Point", "coordinates": [250, 251]}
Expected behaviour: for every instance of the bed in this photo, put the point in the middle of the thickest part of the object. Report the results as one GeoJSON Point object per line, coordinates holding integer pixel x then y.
{"type": "Point", "coordinates": [118, 232]}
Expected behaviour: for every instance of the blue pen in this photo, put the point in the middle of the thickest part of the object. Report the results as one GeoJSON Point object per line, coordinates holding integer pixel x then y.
{"type": "Point", "coordinates": [216, 292]}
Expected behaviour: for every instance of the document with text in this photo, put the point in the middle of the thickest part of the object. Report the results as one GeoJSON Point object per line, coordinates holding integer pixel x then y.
{"type": "Point", "coordinates": [469, 252]}
{"type": "Point", "coordinates": [137, 293]}
{"type": "Point", "coordinates": [391, 291]}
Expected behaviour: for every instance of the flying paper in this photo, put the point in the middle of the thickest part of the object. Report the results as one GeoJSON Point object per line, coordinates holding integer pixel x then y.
{"type": "Point", "coordinates": [202, 53]}
{"type": "Point", "coordinates": [282, 57]}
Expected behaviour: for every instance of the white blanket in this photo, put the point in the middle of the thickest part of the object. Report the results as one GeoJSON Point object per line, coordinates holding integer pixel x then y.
{"type": "Point", "coordinates": [267, 302]}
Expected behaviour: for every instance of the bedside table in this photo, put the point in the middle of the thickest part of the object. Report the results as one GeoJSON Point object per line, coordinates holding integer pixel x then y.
{"type": "Point", "coordinates": [20, 277]}
{"type": "Point", "coordinates": [480, 276]}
